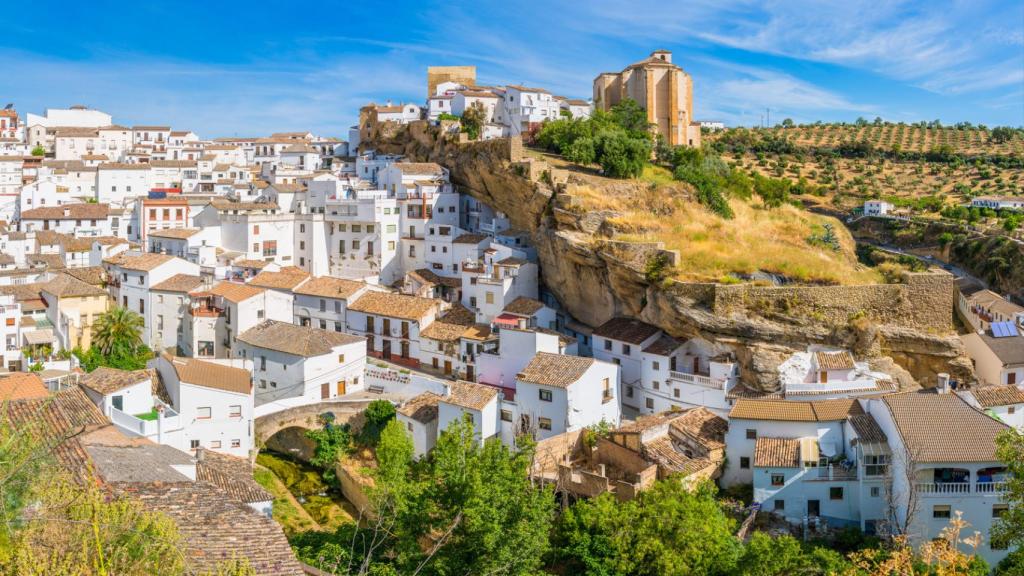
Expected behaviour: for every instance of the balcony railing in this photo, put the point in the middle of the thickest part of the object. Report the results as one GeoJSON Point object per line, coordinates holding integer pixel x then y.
{"type": "Point", "coordinates": [705, 381]}
{"type": "Point", "coordinates": [948, 488]}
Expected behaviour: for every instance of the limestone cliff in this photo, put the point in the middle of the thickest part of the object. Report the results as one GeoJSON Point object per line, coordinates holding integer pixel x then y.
{"type": "Point", "coordinates": [596, 277]}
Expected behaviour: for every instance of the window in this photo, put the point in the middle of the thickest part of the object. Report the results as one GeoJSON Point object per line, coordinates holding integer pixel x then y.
{"type": "Point", "coordinates": [392, 228]}
{"type": "Point", "coordinates": [999, 509]}
{"type": "Point", "coordinates": [236, 443]}
{"type": "Point", "coordinates": [940, 511]}
{"type": "Point", "coordinates": [142, 306]}
{"type": "Point", "coordinates": [235, 411]}
{"type": "Point", "coordinates": [203, 413]}
{"type": "Point", "coordinates": [629, 391]}
{"type": "Point", "coordinates": [606, 390]}
{"type": "Point", "coordinates": [270, 248]}
{"type": "Point", "coordinates": [1011, 410]}
{"type": "Point", "coordinates": [215, 444]}
{"type": "Point", "coordinates": [780, 505]}
{"type": "Point", "coordinates": [656, 365]}
{"type": "Point", "coordinates": [745, 462]}
{"type": "Point", "coordinates": [489, 297]}
{"type": "Point", "coordinates": [193, 444]}
{"type": "Point", "coordinates": [835, 493]}
{"type": "Point", "coordinates": [876, 465]}
{"type": "Point", "coordinates": [751, 434]}
{"type": "Point", "coordinates": [391, 244]}
{"type": "Point", "coordinates": [608, 345]}
{"type": "Point", "coordinates": [655, 383]}
{"type": "Point", "coordinates": [876, 491]}
{"type": "Point", "coordinates": [675, 392]}
{"type": "Point", "coordinates": [341, 358]}
{"type": "Point", "coordinates": [263, 384]}
{"type": "Point", "coordinates": [778, 479]}
{"type": "Point", "coordinates": [545, 395]}
{"type": "Point", "coordinates": [649, 403]}
{"type": "Point", "coordinates": [506, 415]}
{"type": "Point", "coordinates": [263, 363]}
{"type": "Point", "coordinates": [544, 423]}
{"type": "Point", "coordinates": [256, 229]}
{"type": "Point", "coordinates": [625, 349]}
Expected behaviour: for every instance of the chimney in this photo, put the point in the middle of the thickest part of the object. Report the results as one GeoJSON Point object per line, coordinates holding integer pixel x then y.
{"type": "Point", "coordinates": [200, 456]}
{"type": "Point", "coordinates": [942, 386]}
{"type": "Point", "coordinates": [447, 389]}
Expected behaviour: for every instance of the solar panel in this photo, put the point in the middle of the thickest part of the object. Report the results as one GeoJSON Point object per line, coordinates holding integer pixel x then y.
{"type": "Point", "coordinates": [1004, 329]}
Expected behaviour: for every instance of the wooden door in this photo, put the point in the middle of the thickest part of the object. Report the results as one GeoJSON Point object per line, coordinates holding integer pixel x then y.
{"type": "Point", "coordinates": [696, 365]}
{"type": "Point", "coordinates": [447, 367]}
{"type": "Point", "coordinates": [469, 374]}
{"type": "Point", "coordinates": [342, 388]}
{"type": "Point", "coordinates": [325, 390]}
{"type": "Point", "coordinates": [387, 327]}
{"type": "Point", "coordinates": [387, 349]}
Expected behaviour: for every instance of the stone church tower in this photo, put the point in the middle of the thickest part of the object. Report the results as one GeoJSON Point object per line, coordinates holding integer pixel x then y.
{"type": "Point", "coordinates": [661, 88]}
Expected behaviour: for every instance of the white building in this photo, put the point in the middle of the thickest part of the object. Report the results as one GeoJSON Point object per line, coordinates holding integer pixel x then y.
{"type": "Point", "coordinates": [218, 315]}
{"type": "Point", "coordinates": [997, 353]}
{"type": "Point", "coordinates": [576, 108]}
{"type": "Point", "coordinates": [999, 202]}
{"type": "Point", "coordinates": [73, 219]}
{"type": "Point", "coordinates": [877, 208]}
{"type": "Point", "coordinates": [827, 373]}
{"type": "Point", "coordinates": [214, 402]}
{"type": "Point", "coordinates": [475, 402]}
{"type": "Point", "coordinates": [1002, 402]}
{"type": "Point", "coordinates": [297, 365]}
{"type": "Point", "coordinates": [419, 416]}
{"type": "Point", "coordinates": [10, 332]}
{"type": "Point", "coordinates": [391, 324]}
{"type": "Point", "coordinates": [169, 302]}
{"type": "Point", "coordinates": [323, 302]}
{"type": "Point", "coordinates": [556, 393]}
{"type": "Point", "coordinates": [131, 278]}
{"type": "Point", "coordinates": [521, 108]}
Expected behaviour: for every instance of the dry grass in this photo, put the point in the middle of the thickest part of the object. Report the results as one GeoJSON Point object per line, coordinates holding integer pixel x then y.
{"type": "Point", "coordinates": [712, 248]}
{"type": "Point", "coordinates": [774, 241]}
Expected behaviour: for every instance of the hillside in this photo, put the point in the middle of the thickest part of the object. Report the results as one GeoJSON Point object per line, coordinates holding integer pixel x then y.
{"type": "Point", "coordinates": [912, 166]}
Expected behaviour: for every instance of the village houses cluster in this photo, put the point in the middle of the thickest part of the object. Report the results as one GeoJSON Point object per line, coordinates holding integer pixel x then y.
{"type": "Point", "coordinates": [299, 271]}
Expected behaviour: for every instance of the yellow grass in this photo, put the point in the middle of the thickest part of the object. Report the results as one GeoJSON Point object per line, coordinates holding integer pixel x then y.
{"type": "Point", "coordinates": [775, 241]}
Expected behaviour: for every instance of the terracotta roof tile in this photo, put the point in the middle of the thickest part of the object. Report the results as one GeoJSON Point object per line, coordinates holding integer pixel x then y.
{"type": "Point", "coordinates": [559, 370]}
{"type": "Point", "coordinates": [108, 380]}
{"type": "Point", "coordinates": [236, 291]}
{"type": "Point", "coordinates": [1002, 395]}
{"type": "Point", "coordinates": [626, 330]}
{"type": "Point", "coordinates": [524, 306]}
{"type": "Point", "coordinates": [394, 305]}
{"type": "Point", "coordinates": [421, 408]}
{"type": "Point", "coordinates": [281, 280]}
{"type": "Point", "coordinates": [211, 374]}
{"type": "Point", "coordinates": [21, 386]}
{"type": "Point", "coordinates": [175, 233]}
{"type": "Point", "coordinates": [139, 262]}
{"type": "Point", "coordinates": [296, 340]}
{"type": "Point", "coordinates": [469, 394]}
{"type": "Point", "coordinates": [777, 452]}
{"type": "Point", "coordinates": [790, 411]}
{"type": "Point", "coordinates": [83, 211]}
{"type": "Point", "coordinates": [840, 360]}
{"type": "Point", "coordinates": [943, 428]}
{"type": "Point", "coordinates": [178, 283]}
{"type": "Point", "coordinates": [330, 287]}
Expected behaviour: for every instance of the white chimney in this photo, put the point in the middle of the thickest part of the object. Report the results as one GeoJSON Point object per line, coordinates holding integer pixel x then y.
{"type": "Point", "coordinates": [943, 383]}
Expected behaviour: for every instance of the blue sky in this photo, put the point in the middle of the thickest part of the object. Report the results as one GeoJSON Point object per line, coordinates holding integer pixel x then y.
{"type": "Point", "coordinates": [223, 67]}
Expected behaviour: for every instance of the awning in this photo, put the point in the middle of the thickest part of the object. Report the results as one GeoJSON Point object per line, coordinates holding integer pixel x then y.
{"type": "Point", "coordinates": [827, 448]}
{"type": "Point", "coordinates": [809, 450]}
{"type": "Point", "coordinates": [35, 337]}
{"type": "Point", "coordinates": [510, 320]}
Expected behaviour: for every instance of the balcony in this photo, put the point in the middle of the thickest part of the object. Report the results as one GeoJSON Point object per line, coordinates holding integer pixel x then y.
{"type": "Point", "coordinates": [147, 424]}
{"type": "Point", "coordinates": [942, 488]}
{"type": "Point", "coordinates": [697, 379]}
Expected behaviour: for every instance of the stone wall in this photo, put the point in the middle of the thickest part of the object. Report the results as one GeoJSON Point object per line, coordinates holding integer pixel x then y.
{"type": "Point", "coordinates": [924, 301]}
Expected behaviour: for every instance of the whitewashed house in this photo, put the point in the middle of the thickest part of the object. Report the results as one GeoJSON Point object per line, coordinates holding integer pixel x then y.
{"type": "Point", "coordinates": [476, 402]}
{"type": "Point", "coordinates": [997, 353]}
{"type": "Point", "coordinates": [297, 365]}
{"type": "Point", "coordinates": [81, 219]}
{"type": "Point", "coordinates": [557, 393]}
{"type": "Point", "coordinates": [214, 402]}
{"type": "Point", "coordinates": [827, 373]}
{"type": "Point", "coordinates": [1002, 402]}
{"type": "Point", "coordinates": [419, 417]}
{"type": "Point", "coordinates": [169, 302]}
{"type": "Point", "coordinates": [999, 202]}
{"type": "Point", "coordinates": [877, 208]}
{"type": "Point", "coordinates": [391, 324]}
{"type": "Point", "coordinates": [323, 302]}
{"type": "Point", "coordinates": [131, 278]}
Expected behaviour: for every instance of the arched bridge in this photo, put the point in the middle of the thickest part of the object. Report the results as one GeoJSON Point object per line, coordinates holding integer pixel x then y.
{"type": "Point", "coordinates": [305, 416]}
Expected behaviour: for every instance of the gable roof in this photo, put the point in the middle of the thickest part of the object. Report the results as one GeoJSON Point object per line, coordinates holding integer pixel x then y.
{"type": "Point", "coordinates": [297, 340]}
{"type": "Point", "coordinates": [106, 380]}
{"type": "Point", "coordinates": [139, 262]}
{"type": "Point", "coordinates": [943, 427]}
{"type": "Point", "coordinates": [1001, 395]}
{"type": "Point", "coordinates": [178, 283]}
{"type": "Point", "coordinates": [421, 408]}
{"type": "Point", "coordinates": [523, 306]}
{"type": "Point", "coordinates": [838, 360]}
{"type": "Point", "coordinates": [789, 411]}
{"type": "Point", "coordinates": [175, 233]}
{"type": "Point", "coordinates": [394, 305]}
{"type": "Point", "coordinates": [469, 394]}
{"type": "Point", "coordinates": [627, 330]}
{"type": "Point", "coordinates": [21, 386]}
{"type": "Point", "coordinates": [558, 370]}
{"type": "Point", "coordinates": [235, 291]}
{"type": "Point", "coordinates": [329, 287]}
{"type": "Point", "coordinates": [64, 286]}
{"type": "Point", "coordinates": [211, 374]}
{"type": "Point", "coordinates": [777, 452]}
{"type": "Point", "coordinates": [285, 279]}
{"type": "Point", "coordinates": [663, 346]}
{"type": "Point", "coordinates": [84, 211]}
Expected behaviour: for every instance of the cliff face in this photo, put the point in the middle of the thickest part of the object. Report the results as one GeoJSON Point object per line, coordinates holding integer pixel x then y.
{"type": "Point", "coordinates": [596, 278]}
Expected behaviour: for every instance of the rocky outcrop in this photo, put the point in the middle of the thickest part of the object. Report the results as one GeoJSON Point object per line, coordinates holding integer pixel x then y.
{"type": "Point", "coordinates": [596, 277]}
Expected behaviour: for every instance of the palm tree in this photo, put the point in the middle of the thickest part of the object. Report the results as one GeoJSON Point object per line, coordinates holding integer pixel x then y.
{"type": "Point", "coordinates": [118, 331]}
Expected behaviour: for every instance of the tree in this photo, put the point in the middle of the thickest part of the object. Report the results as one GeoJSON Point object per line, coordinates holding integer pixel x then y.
{"type": "Point", "coordinates": [332, 442]}
{"type": "Point", "coordinates": [622, 156]}
{"type": "Point", "coordinates": [473, 120]}
{"type": "Point", "coordinates": [774, 192]}
{"type": "Point", "coordinates": [1001, 134]}
{"type": "Point", "coordinates": [39, 151]}
{"type": "Point", "coordinates": [118, 332]}
{"type": "Point", "coordinates": [1009, 528]}
{"type": "Point", "coordinates": [665, 530]}
{"type": "Point", "coordinates": [629, 116]}
{"type": "Point", "coordinates": [581, 151]}
{"type": "Point", "coordinates": [376, 416]}
{"type": "Point", "coordinates": [788, 123]}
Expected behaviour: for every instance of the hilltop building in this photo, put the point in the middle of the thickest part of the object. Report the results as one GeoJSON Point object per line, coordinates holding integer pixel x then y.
{"type": "Point", "coordinates": [661, 88]}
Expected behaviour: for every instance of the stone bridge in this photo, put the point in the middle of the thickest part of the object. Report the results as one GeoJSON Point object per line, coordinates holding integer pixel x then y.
{"type": "Point", "coordinates": [305, 417]}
